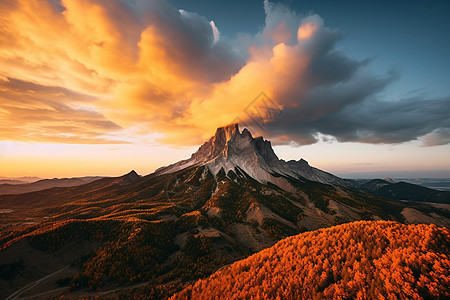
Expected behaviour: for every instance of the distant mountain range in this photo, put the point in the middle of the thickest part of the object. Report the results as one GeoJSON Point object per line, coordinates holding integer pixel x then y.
{"type": "Point", "coordinates": [18, 180]}
{"type": "Point", "coordinates": [149, 236]}
{"type": "Point", "coordinates": [20, 187]}
{"type": "Point", "coordinates": [442, 184]}
{"type": "Point", "coordinates": [405, 191]}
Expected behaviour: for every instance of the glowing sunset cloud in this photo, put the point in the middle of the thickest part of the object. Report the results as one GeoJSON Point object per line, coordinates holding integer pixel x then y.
{"type": "Point", "coordinates": [306, 31]}
{"type": "Point", "coordinates": [113, 72]}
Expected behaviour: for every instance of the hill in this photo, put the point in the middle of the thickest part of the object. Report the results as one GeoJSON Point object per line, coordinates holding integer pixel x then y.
{"type": "Point", "coordinates": [360, 260]}
{"type": "Point", "coordinates": [408, 191]}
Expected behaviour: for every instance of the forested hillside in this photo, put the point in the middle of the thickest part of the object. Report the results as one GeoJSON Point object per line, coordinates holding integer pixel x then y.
{"type": "Point", "coordinates": [362, 260]}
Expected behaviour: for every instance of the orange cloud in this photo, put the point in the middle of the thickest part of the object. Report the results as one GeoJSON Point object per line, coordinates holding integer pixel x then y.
{"type": "Point", "coordinates": [34, 113]}
{"type": "Point", "coordinates": [104, 71]}
{"type": "Point", "coordinates": [152, 65]}
{"type": "Point", "coordinates": [306, 31]}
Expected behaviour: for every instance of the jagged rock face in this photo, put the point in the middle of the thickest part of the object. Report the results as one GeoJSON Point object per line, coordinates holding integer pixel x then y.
{"type": "Point", "coordinates": [229, 149]}
{"type": "Point", "coordinates": [218, 144]}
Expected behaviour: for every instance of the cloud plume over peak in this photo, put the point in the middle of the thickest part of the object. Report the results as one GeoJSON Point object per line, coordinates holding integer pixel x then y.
{"type": "Point", "coordinates": [106, 66]}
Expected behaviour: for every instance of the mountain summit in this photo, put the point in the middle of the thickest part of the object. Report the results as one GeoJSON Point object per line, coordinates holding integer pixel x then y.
{"type": "Point", "coordinates": [230, 150]}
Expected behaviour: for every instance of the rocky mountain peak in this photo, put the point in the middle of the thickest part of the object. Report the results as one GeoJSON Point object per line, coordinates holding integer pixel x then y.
{"type": "Point", "coordinates": [227, 132]}
{"type": "Point", "coordinates": [229, 150]}
{"type": "Point", "coordinates": [221, 142]}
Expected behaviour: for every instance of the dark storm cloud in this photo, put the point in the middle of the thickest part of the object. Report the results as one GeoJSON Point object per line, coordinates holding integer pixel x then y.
{"type": "Point", "coordinates": [344, 101]}
{"type": "Point", "coordinates": [189, 39]}
{"type": "Point", "coordinates": [374, 121]}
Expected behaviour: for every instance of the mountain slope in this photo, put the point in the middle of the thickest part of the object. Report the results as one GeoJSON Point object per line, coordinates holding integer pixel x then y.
{"type": "Point", "coordinates": [186, 225]}
{"type": "Point", "coordinates": [364, 260]}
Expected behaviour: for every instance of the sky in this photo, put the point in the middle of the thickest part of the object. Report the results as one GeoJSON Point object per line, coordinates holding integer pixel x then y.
{"type": "Point", "coordinates": [96, 87]}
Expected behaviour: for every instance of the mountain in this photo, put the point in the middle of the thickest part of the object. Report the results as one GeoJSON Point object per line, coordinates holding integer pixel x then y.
{"type": "Point", "coordinates": [11, 181]}
{"type": "Point", "coordinates": [372, 185]}
{"type": "Point", "coordinates": [19, 187]}
{"type": "Point", "coordinates": [361, 260]}
{"type": "Point", "coordinates": [229, 150]}
{"type": "Point", "coordinates": [405, 191]}
{"type": "Point", "coordinates": [149, 236]}
{"type": "Point", "coordinates": [25, 179]}
{"type": "Point", "coordinates": [442, 184]}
